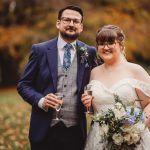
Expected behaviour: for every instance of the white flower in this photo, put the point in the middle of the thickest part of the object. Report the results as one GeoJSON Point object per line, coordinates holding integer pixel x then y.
{"type": "Point", "coordinates": [127, 137]}
{"type": "Point", "coordinates": [130, 141]}
{"type": "Point", "coordinates": [140, 126]}
{"type": "Point", "coordinates": [118, 139]}
{"type": "Point", "coordinates": [118, 105]}
{"type": "Point", "coordinates": [126, 129]}
{"type": "Point", "coordinates": [135, 137]}
{"type": "Point", "coordinates": [105, 128]}
{"type": "Point", "coordinates": [96, 117]}
{"type": "Point", "coordinates": [134, 130]}
{"type": "Point", "coordinates": [119, 113]}
{"type": "Point", "coordinates": [132, 135]}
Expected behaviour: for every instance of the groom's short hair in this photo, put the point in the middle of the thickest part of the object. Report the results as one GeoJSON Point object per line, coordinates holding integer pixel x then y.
{"type": "Point", "coordinates": [71, 7]}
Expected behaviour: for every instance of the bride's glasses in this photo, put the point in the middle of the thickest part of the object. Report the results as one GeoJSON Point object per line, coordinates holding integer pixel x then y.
{"type": "Point", "coordinates": [108, 44]}
{"type": "Point", "coordinates": [88, 91]}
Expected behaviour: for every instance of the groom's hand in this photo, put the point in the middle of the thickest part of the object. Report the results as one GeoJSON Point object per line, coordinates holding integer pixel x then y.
{"type": "Point", "coordinates": [51, 101]}
{"type": "Point", "coordinates": [87, 100]}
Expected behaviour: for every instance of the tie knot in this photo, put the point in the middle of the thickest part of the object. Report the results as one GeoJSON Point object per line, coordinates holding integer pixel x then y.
{"type": "Point", "coordinates": [68, 46]}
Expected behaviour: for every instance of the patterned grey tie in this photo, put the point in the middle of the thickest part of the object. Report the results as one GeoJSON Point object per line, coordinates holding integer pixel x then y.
{"type": "Point", "coordinates": [67, 56]}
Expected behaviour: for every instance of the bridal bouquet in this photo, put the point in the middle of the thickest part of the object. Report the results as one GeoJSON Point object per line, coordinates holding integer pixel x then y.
{"type": "Point", "coordinates": [121, 126]}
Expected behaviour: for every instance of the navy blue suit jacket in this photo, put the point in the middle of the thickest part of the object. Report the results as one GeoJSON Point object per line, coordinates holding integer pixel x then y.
{"type": "Point", "coordinates": [40, 78]}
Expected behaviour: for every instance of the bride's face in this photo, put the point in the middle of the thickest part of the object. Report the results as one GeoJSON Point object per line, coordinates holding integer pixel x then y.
{"type": "Point", "coordinates": [109, 51]}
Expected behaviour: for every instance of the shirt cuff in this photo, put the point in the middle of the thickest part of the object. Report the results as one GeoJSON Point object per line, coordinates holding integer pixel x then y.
{"type": "Point", "coordinates": [40, 104]}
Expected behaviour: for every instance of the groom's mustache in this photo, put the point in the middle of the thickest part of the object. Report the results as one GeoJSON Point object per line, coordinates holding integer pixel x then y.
{"type": "Point", "coordinates": [71, 28]}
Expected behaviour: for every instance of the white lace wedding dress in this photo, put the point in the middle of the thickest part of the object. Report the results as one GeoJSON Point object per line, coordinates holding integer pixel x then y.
{"type": "Point", "coordinates": [104, 99]}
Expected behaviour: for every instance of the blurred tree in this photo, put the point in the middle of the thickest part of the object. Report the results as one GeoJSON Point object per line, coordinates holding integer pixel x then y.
{"type": "Point", "coordinates": [23, 23]}
{"type": "Point", "coordinates": [17, 12]}
{"type": "Point", "coordinates": [8, 69]}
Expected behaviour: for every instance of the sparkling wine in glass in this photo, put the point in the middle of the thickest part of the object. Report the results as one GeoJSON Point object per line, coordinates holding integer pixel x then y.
{"type": "Point", "coordinates": [58, 107]}
{"type": "Point", "coordinates": [88, 91]}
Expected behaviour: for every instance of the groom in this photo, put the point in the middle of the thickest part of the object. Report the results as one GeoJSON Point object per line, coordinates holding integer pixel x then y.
{"type": "Point", "coordinates": [58, 65]}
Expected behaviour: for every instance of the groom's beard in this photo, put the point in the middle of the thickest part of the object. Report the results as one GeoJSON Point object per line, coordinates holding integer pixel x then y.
{"type": "Point", "coordinates": [69, 36]}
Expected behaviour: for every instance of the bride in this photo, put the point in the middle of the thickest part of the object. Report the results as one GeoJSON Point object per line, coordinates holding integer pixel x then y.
{"type": "Point", "coordinates": [116, 76]}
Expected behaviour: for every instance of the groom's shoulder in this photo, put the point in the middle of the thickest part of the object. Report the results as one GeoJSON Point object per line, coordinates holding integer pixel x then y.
{"type": "Point", "coordinates": [45, 43]}
{"type": "Point", "coordinates": [42, 47]}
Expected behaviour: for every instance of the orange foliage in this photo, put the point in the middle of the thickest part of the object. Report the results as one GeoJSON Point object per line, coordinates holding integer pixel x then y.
{"type": "Point", "coordinates": [131, 16]}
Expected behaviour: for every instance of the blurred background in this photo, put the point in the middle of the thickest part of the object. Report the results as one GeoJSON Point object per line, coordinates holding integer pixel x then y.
{"type": "Point", "coordinates": [25, 22]}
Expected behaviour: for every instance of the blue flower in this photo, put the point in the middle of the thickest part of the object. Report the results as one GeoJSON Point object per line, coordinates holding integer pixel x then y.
{"type": "Point", "coordinates": [135, 113]}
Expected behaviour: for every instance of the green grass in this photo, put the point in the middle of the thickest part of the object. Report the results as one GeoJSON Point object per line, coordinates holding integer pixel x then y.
{"type": "Point", "coordinates": [9, 96]}
{"type": "Point", "coordinates": [14, 121]}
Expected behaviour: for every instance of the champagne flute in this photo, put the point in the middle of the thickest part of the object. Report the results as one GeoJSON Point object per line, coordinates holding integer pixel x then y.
{"type": "Point", "coordinates": [58, 107]}
{"type": "Point", "coordinates": [88, 91]}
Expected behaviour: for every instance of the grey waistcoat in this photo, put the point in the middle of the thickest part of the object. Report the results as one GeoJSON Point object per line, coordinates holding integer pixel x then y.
{"type": "Point", "coordinates": [67, 85]}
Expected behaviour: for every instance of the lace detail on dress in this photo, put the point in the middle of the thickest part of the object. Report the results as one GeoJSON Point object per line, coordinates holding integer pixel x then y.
{"type": "Point", "coordinates": [104, 99]}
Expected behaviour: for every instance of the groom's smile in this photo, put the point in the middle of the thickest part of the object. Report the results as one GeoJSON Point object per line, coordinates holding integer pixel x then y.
{"type": "Point", "coordinates": [71, 29]}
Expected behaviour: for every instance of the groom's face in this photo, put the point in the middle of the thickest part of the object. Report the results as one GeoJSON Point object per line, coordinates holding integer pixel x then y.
{"type": "Point", "coordinates": [70, 25]}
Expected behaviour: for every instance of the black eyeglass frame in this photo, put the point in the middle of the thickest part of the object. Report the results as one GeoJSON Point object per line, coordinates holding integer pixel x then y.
{"type": "Point", "coordinates": [109, 44]}
{"type": "Point", "coordinates": [67, 20]}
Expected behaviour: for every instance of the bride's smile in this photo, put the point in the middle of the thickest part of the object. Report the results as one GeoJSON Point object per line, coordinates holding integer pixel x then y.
{"type": "Point", "coordinates": [107, 51]}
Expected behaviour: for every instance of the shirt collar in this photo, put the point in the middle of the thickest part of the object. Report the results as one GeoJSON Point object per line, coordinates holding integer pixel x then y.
{"type": "Point", "coordinates": [61, 43]}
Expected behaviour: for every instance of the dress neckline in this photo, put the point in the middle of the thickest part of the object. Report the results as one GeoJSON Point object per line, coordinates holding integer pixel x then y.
{"type": "Point", "coordinates": [115, 85]}
{"type": "Point", "coordinates": [130, 81]}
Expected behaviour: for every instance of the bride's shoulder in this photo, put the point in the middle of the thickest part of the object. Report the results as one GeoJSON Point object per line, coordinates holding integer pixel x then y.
{"type": "Point", "coordinates": [135, 67]}
{"type": "Point", "coordinates": [139, 72]}
{"type": "Point", "coordinates": [96, 71]}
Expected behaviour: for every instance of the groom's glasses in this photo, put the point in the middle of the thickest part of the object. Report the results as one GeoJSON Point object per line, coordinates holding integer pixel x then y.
{"type": "Point", "coordinates": [67, 21]}
{"type": "Point", "coordinates": [108, 44]}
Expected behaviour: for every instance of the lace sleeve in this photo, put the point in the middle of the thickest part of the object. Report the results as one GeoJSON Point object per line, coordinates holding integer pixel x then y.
{"type": "Point", "coordinates": [144, 87]}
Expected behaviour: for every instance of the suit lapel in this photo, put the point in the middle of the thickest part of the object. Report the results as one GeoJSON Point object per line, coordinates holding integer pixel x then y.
{"type": "Point", "coordinates": [80, 69]}
{"type": "Point", "coordinates": [52, 57]}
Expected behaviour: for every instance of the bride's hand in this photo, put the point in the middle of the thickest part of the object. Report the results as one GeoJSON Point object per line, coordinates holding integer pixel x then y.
{"type": "Point", "coordinates": [87, 100]}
